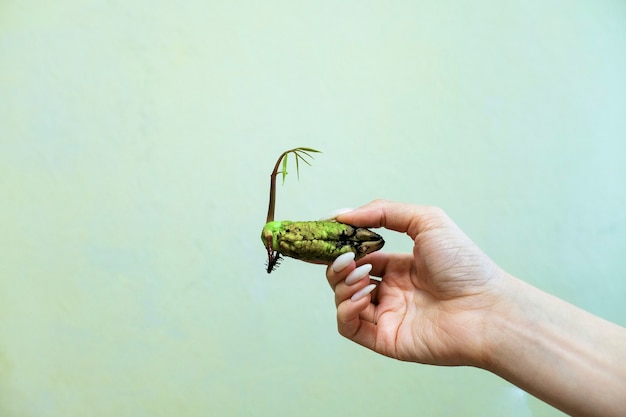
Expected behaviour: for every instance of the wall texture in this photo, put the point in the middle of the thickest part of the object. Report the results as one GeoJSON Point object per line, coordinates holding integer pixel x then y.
{"type": "Point", "coordinates": [136, 141]}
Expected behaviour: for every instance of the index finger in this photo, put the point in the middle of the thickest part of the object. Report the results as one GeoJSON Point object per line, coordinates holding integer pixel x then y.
{"type": "Point", "coordinates": [411, 219]}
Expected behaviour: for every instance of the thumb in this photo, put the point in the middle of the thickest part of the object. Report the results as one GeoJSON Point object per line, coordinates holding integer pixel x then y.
{"type": "Point", "coordinates": [411, 219]}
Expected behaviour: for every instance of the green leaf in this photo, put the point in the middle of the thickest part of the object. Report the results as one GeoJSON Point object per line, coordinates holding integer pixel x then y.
{"type": "Point", "coordinates": [308, 150]}
{"type": "Point", "coordinates": [298, 166]}
{"type": "Point", "coordinates": [284, 170]}
{"type": "Point", "coordinates": [301, 154]}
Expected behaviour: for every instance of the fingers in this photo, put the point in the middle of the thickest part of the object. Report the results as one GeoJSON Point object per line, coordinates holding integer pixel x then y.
{"type": "Point", "coordinates": [356, 317]}
{"type": "Point", "coordinates": [408, 218]}
{"type": "Point", "coordinates": [353, 295]}
{"type": "Point", "coordinates": [355, 281]}
{"type": "Point", "coordinates": [339, 269]}
{"type": "Point", "coordinates": [345, 278]}
{"type": "Point", "coordinates": [344, 265]}
{"type": "Point", "coordinates": [348, 281]}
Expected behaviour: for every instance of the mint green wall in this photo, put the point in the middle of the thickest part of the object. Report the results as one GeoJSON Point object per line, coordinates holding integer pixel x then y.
{"type": "Point", "coordinates": [136, 141]}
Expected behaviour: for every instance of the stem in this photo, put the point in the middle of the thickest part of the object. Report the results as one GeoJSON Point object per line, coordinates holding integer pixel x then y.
{"type": "Point", "coordinates": [272, 205]}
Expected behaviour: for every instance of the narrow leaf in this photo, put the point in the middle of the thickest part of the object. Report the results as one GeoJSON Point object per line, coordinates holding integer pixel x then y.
{"type": "Point", "coordinates": [304, 159]}
{"type": "Point", "coordinates": [284, 170]}
{"type": "Point", "coordinates": [309, 150]}
{"type": "Point", "coordinates": [297, 167]}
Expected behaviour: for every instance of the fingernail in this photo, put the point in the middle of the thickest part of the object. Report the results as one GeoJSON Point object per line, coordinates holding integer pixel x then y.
{"type": "Point", "coordinates": [358, 273]}
{"type": "Point", "coordinates": [337, 212]}
{"type": "Point", "coordinates": [342, 261]}
{"type": "Point", "coordinates": [363, 292]}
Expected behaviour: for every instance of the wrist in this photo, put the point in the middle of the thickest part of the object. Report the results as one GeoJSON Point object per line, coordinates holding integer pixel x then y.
{"type": "Point", "coordinates": [507, 322]}
{"type": "Point", "coordinates": [554, 350]}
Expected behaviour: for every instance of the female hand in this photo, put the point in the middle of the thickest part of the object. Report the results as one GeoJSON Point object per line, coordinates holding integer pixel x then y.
{"type": "Point", "coordinates": [447, 303]}
{"type": "Point", "coordinates": [429, 306]}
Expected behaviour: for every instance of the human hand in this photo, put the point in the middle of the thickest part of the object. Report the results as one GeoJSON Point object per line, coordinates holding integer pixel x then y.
{"type": "Point", "coordinates": [430, 306]}
{"type": "Point", "coordinates": [447, 303]}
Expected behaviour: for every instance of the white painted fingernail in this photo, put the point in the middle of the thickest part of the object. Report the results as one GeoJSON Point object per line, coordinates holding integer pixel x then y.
{"type": "Point", "coordinates": [358, 273]}
{"type": "Point", "coordinates": [336, 213]}
{"type": "Point", "coordinates": [342, 261]}
{"type": "Point", "coordinates": [363, 292]}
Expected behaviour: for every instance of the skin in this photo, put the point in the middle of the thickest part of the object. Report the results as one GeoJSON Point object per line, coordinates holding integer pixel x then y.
{"type": "Point", "coordinates": [447, 303]}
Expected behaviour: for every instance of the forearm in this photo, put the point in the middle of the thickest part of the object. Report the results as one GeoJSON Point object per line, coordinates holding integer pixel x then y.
{"type": "Point", "coordinates": [558, 352]}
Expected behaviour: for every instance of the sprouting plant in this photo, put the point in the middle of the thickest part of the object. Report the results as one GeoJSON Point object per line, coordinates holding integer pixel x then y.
{"type": "Point", "coordinates": [311, 241]}
{"type": "Point", "coordinates": [300, 154]}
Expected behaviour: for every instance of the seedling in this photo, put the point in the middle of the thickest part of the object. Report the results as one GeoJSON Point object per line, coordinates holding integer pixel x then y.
{"type": "Point", "coordinates": [310, 241]}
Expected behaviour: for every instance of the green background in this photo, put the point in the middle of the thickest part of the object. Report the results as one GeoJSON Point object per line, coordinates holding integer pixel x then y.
{"type": "Point", "coordinates": [136, 142]}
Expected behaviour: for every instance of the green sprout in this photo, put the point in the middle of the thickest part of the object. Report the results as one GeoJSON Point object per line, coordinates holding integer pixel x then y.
{"type": "Point", "coordinates": [300, 154]}
{"type": "Point", "coordinates": [310, 241]}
